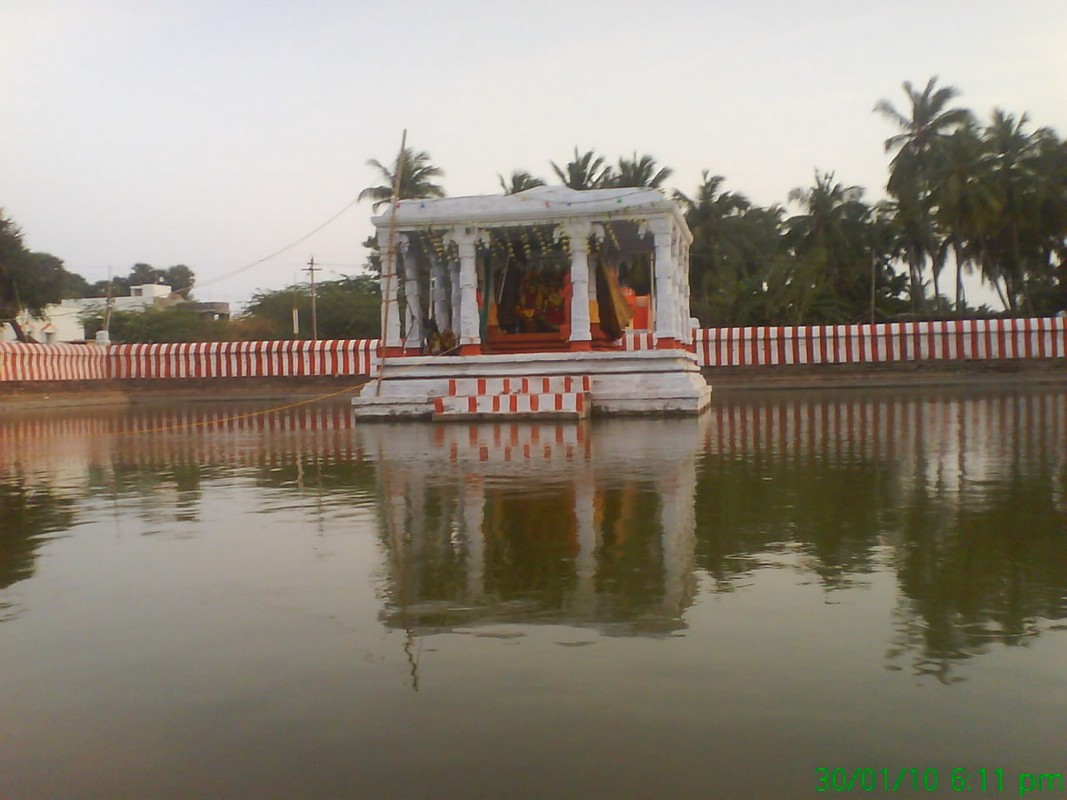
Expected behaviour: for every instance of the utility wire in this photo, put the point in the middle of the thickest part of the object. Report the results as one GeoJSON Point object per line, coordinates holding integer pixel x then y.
{"type": "Point", "coordinates": [305, 237]}
{"type": "Point", "coordinates": [278, 252]}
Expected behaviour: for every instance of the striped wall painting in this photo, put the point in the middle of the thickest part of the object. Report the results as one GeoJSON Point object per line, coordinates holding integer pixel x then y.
{"type": "Point", "coordinates": [1035, 338]}
{"type": "Point", "coordinates": [52, 362]}
{"type": "Point", "coordinates": [896, 341]}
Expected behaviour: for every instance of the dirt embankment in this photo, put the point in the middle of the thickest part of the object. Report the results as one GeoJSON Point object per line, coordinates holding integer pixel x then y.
{"type": "Point", "coordinates": [59, 394]}
{"type": "Point", "coordinates": [900, 374]}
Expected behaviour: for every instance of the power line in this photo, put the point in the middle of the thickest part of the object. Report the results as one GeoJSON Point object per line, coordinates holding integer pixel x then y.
{"type": "Point", "coordinates": [278, 252]}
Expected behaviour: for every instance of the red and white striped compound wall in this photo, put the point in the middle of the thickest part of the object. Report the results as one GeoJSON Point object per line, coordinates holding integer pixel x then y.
{"type": "Point", "coordinates": [1042, 337]}
{"type": "Point", "coordinates": [52, 362]}
{"type": "Point", "coordinates": [715, 347]}
{"type": "Point", "coordinates": [323, 358]}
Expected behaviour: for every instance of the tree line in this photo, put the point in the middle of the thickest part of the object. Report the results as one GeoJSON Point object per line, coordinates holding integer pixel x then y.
{"type": "Point", "coordinates": [30, 281]}
{"type": "Point", "coordinates": [964, 196]}
{"type": "Point", "coordinates": [347, 308]}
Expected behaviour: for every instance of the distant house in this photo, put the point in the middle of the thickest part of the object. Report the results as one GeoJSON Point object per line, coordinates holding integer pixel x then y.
{"type": "Point", "coordinates": [62, 322]}
{"type": "Point", "coordinates": [209, 311]}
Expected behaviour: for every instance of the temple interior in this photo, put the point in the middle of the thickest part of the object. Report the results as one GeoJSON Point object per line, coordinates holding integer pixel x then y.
{"type": "Point", "coordinates": [524, 288]}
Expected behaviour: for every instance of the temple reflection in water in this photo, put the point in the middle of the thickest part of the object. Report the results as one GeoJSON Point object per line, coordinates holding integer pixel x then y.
{"type": "Point", "coordinates": [538, 522]}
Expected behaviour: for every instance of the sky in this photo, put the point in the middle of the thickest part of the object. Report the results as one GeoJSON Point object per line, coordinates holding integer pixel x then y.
{"type": "Point", "coordinates": [214, 134]}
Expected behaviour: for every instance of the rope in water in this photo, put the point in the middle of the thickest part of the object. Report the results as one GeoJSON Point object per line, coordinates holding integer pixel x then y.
{"type": "Point", "coordinates": [249, 415]}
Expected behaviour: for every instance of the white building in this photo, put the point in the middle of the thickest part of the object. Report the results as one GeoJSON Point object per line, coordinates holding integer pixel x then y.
{"type": "Point", "coordinates": [62, 322]}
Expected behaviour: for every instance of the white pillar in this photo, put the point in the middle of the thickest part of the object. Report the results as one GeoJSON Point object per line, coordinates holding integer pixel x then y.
{"type": "Point", "coordinates": [681, 319]}
{"type": "Point", "coordinates": [677, 497]}
{"type": "Point", "coordinates": [457, 297]}
{"type": "Point", "coordinates": [413, 314]}
{"type": "Point", "coordinates": [390, 290]}
{"type": "Point", "coordinates": [469, 323]}
{"type": "Point", "coordinates": [585, 563]}
{"type": "Point", "coordinates": [578, 233]}
{"type": "Point", "coordinates": [684, 306]}
{"type": "Point", "coordinates": [666, 316]}
{"type": "Point", "coordinates": [472, 514]}
{"type": "Point", "coordinates": [394, 486]}
{"type": "Point", "coordinates": [441, 311]}
{"type": "Point", "coordinates": [415, 496]}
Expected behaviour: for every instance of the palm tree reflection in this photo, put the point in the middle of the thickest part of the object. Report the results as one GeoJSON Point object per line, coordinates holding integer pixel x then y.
{"type": "Point", "coordinates": [962, 497]}
{"type": "Point", "coordinates": [30, 514]}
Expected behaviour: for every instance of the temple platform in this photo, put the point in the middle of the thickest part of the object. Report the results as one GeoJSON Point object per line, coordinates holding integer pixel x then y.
{"type": "Point", "coordinates": [611, 383]}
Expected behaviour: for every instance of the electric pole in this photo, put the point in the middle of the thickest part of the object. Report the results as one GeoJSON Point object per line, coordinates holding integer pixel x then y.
{"type": "Point", "coordinates": [314, 317]}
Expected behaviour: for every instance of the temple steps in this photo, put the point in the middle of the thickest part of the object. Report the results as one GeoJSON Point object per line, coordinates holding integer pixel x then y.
{"type": "Point", "coordinates": [542, 397]}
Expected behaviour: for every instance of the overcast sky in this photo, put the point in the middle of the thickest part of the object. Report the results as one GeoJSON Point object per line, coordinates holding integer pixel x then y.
{"type": "Point", "coordinates": [214, 133]}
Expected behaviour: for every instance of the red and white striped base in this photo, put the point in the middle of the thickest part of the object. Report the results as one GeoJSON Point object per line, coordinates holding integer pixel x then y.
{"type": "Point", "coordinates": [558, 396]}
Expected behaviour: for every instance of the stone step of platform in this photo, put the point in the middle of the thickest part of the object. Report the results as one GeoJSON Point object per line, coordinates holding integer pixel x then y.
{"type": "Point", "coordinates": [548, 384]}
{"type": "Point", "coordinates": [557, 396]}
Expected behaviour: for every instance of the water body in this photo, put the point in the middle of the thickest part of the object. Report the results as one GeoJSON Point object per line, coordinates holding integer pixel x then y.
{"type": "Point", "coordinates": [207, 601]}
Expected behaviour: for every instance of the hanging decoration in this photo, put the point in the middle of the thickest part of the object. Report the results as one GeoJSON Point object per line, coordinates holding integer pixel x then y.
{"type": "Point", "coordinates": [541, 241]}
{"type": "Point", "coordinates": [526, 246]}
{"type": "Point", "coordinates": [611, 235]}
{"type": "Point", "coordinates": [488, 243]}
{"type": "Point", "coordinates": [565, 240]}
{"type": "Point", "coordinates": [425, 242]}
{"type": "Point", "coordinates": [437, 242]}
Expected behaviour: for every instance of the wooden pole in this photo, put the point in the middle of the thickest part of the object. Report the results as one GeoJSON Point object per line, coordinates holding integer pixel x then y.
{"type": "Point", "coordinates": [391, 250]}
{"type": "Point", "coordinates": [874, 281]}
{"type": "Point", "coordinates": [314, 314]}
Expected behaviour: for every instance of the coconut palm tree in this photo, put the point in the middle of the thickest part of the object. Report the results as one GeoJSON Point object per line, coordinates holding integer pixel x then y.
{"type": "Point", "coordinates": [416, 178]}
{"type": "Point", "coordinates": [883, 244]}
{"type": "Point", "coordinates": [520, 182]}
{"type": "Point", "coordinates": [832, 231]}
{"type": "Point", "coordinates": [1014, 241]}
{"type": "Point", "coordinates": [963, 198]}
{"type": "Point", "coordinates": [738, 268]}
{"type": "Point", "coordinates": [918, 240]}
{"type": "Point", "coordinates": [1051, 162]}
{"type": "Point", "coordinates": [930, 119]}
{"type": "Point", "coordinates": [712, 215]}
{"type": "Point", "coordinates": [1050, 280]}
{"type": "Point", "coordinates": [585, 171]}
{"type": "Point", "coordinates": [640, 172]}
